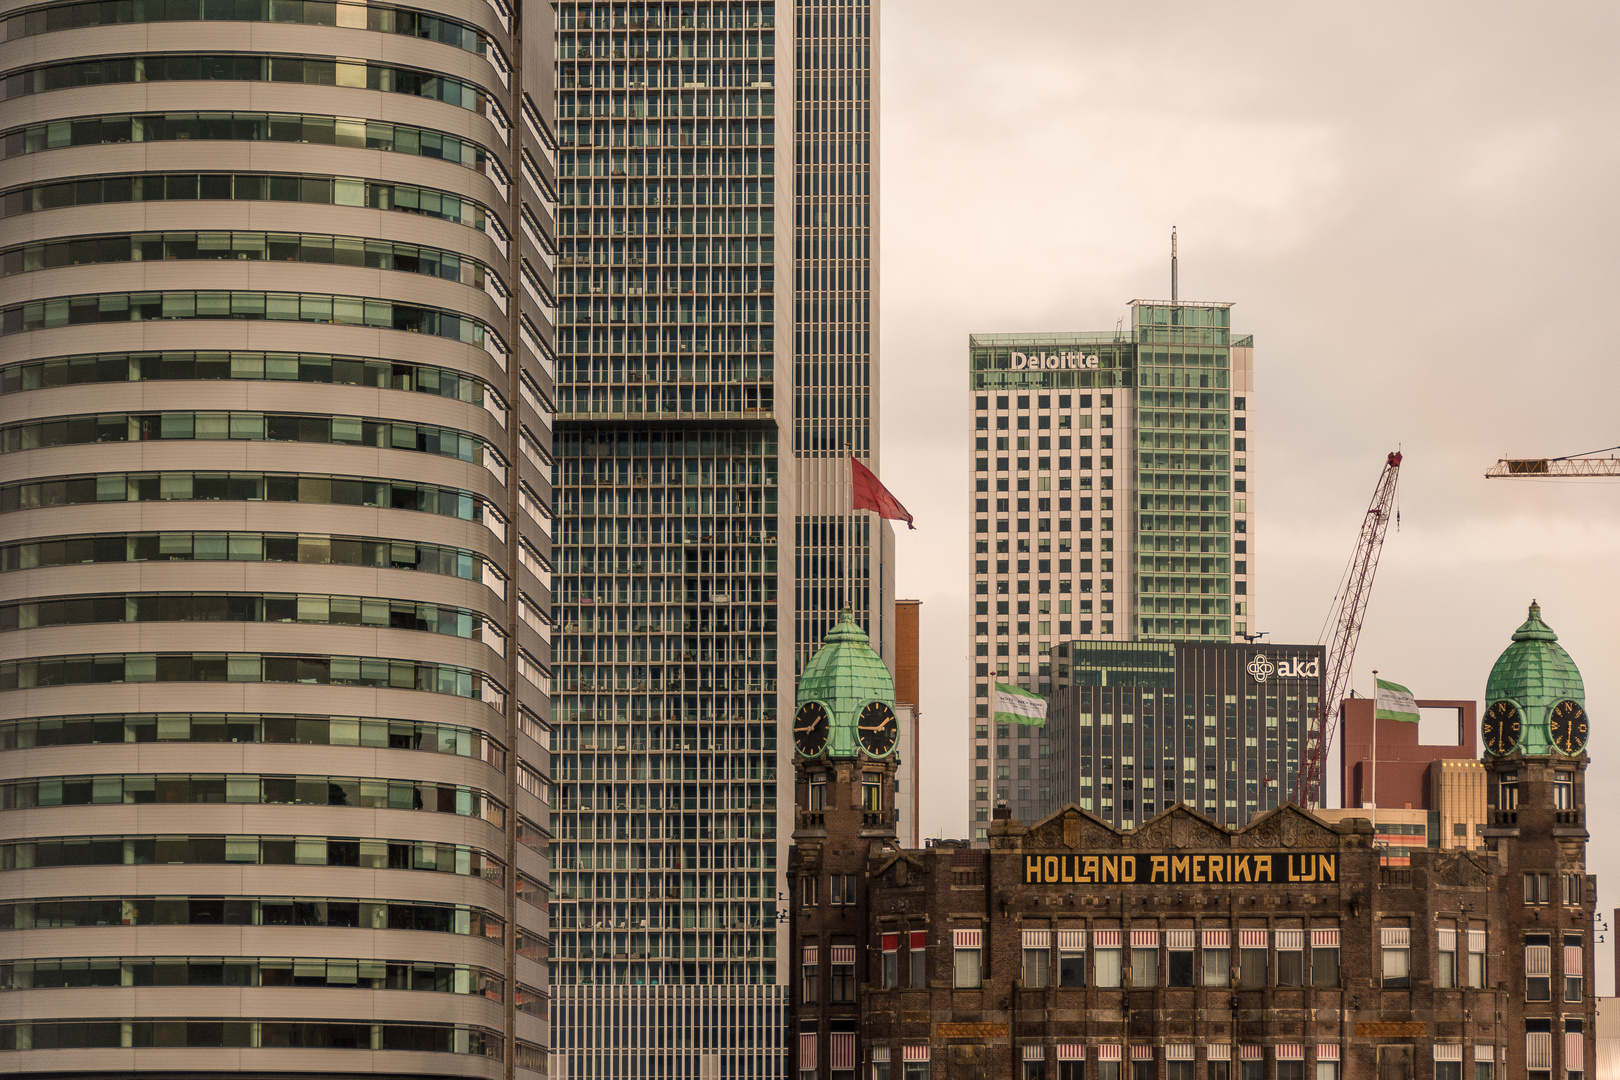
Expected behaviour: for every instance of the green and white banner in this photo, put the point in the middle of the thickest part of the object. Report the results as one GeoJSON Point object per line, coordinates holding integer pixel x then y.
{"type": "Point", "coordinates": [1395, 702]}
{"type": "Point", "coordinates": [1015, 705]}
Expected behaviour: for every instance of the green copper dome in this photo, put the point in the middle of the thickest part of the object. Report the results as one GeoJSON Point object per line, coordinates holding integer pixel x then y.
{"type": "Point", "coordinates": [845, 675]}
{"type": "Point", "coordinates": [1535, 673]}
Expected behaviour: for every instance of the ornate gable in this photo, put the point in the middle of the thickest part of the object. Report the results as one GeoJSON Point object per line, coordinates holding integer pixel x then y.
{"type": "Point", "coordinates": [1460, 869]}
{"type": "Point", "coordinates": [1180, 827]}
{"type": "Point", "coordinates": [1287, 826]}
{"type": "Point", "coordinates": [1074, 828]}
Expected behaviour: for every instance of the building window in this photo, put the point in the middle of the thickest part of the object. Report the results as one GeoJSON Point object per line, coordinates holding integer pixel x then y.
{"type": "Point", "coordinates": [1324, 958]}
{"type": "Point", "coordinates": [818, 792]}
{"type": "Point", "coordinates": [808, 890]}
{"type": "Point", "coordinates": [1106, 959]}
{"type": "Point", "coordinates": [1217, 958]}
{"type": "Point", "coordinates": [1476, 958]}
{"type": "Point", "coordinates": [1447, 1070]}
{"type": "Point", "coordinates": [880, 1069]}
{"type": "Point", "coordinates": [1144, 958]}
{"type": "Point", "coordinates": [1538, 1051]}
{"type": "Point", "coordinates": [1178, 1070]}
{"type": "Point", "coordinates": [1537, 967]}
{"type": "Point", "coordinates": [1484, 1069]}
{"type": "Point", "coordinates": [871, 794]}
{"type": "Point", "coordinates": [1563, 790]}
{"type": "Point", "coordinates": [969, 969]}
{"type": "Point", "coordinates": [1572, 890]}
{"type": "Point", "coordinates": [1035, 1068]}
{"type": "Point", "coordinates": [1291, 958]}
{"type": "Point", "coordinates": [1290, 1070]}
{"type": "Point", "coordinates": [842, 965]}
{"type": "Point", "coordinates": [917, 960]}
{"type": "Point", "coordinates": [1397, 947]}
{"type": "Point", "coordinates": [1219, 1070]}
{"type": "Point", "coordinates": [811, 975]}
{"type": "Point", "coordinates": [1574, 1049]}
{"type": "Point", "coordinates": [1574, 968]}
{"type": "Point", "coordinates": [916, 1070]}
{"type": "Point", "coordinates": [1327, 1070]}
{"type": "Point", "coordinates": [1253, 1069]}
{"type": "Point", "coordinates": [1037, 958]}
{"type": "Point", "coordinates": [1507, 791]}
{"type": "Point", "coordinates": [1446, 970]}
{"type": "Point", "coordinates": [1251, 959]}
{"type": "Point", "coordinates": [1071, 1070]}
{"type": "Point", "coordinates": [1538, 888]}
{"type": "Point", "coordinates": [891, 961]}
{"type": "Point", "coordinates": [1179, 953]}
{"type": "Point", "coordinates": [1071, 959]}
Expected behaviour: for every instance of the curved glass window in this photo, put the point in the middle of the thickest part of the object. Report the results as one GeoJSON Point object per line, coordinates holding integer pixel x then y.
{"type": "Point", "coordinates": [251, 187]}
{"type": "Point", "coordinates": [380, 672]}
{"type": "Point", "coordinates": [240, 364]}
{"type": "Point", "coordinates": [242, 67]}
{"type": "Point", "coordinates": [366, 974]}
{"type": "Point", "coordinates": [312, 609]}
{"type": "Point", "coordinates": [243, 487]}
{"type": "Point", "coordinates": [315, 549]}
{"type": "Point", "coordinates": [289, 307]}
{"type": "Point", "coordinates": [244, 247]}
{"type": "Point", "coordinates": [298, 729]}
{"type": "Point", "coordinates": [357, 791]}
{"type": "Point", "coordinates": [321, 1034]}
{"type": "Point", "coordinates": [351, 131]}
{"type": "Point", "coordinates": [242, 426]}
{"type": "Point", "coordinates": [385, 20]}
{"type": "Point", "coordinates": [205, 850]}
{"type": "Point", "coordinates": [87, 911]}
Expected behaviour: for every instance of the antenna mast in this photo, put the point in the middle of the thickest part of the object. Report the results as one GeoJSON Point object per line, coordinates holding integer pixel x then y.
{"type": "Point", "coordinates": [1175, 284]}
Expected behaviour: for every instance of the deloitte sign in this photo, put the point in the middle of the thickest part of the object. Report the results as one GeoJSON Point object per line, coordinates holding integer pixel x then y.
{"type": "Point", "coordinates": [1064, 361]}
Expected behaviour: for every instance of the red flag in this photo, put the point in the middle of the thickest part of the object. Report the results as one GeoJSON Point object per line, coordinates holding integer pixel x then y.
{"type": "Point", "coordinates": [870, 494]}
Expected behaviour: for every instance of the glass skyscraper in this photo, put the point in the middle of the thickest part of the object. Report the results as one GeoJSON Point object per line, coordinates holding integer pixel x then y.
{"type": "Point", "coordinates": [275, 416]}
{"type": "Point", "coordinates": [1110, 500]}
{"type": "Point", "coordinates": [715, 166]}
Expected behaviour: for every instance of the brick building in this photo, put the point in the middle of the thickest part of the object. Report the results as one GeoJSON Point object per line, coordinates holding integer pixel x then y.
{"type": "Point", "coordinates": [1184, 950]}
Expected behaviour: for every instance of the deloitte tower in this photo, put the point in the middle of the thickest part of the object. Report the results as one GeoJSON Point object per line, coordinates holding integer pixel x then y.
{"type": "Point", "coordinates": [1111, 499]}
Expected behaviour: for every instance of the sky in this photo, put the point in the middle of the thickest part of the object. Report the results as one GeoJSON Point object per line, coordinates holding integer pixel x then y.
{"type": "Point", "coordinates": [1412, 208]}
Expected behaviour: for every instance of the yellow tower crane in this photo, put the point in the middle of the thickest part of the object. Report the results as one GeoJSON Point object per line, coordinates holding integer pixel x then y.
{"type": "Point", "coordinates": [1588, 464]}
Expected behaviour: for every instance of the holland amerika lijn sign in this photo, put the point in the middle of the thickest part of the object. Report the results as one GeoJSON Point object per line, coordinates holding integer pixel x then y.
{"type": "Point", "coordinates": [1248, 868]}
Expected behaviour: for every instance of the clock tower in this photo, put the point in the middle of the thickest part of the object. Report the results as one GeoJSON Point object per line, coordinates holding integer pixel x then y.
{"type": "Point", "coordinates": [844, 762]}
{"type": "Point", "coordinates": [1535, 733]}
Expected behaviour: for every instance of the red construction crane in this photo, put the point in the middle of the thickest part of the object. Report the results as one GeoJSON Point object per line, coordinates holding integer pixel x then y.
{"type": "Point", "coordinates": [1547, 468]}
{"type": "Point", "coordinates": [1344, 620]}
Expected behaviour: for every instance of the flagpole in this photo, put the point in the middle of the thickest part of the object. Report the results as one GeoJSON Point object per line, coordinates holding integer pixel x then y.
{"type": "Point", "coordinates": [1375, 754]}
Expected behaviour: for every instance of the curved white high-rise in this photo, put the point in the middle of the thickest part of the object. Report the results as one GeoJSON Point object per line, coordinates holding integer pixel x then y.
{"type": "Point", "coordinates": [275, 386]}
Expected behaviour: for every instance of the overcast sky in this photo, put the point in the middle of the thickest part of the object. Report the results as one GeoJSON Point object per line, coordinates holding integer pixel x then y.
{"type": "Point", "coordinates": [1412, 207]}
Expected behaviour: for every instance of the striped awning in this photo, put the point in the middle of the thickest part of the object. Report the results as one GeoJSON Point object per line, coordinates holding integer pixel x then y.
{"type": "Point", "coordinates": [1327, 1051]}
{"type": "Point", "coordinates": [1141, 1053]}
{"type": "Point", "coordinates": [1180, 940]}
{"type": "Point", "coordinates": [1290, 1051]}
{"type": "Point", "coordinates": [811, 955]}
{"type": "Point", "coordinates": [841, 954]}
{"type": "Point", "coordinates": [1218, 1051]}
{"type": "Point", "coordinates": [1035, 1053]}
{"type": "Point", "coordinates": [1037, 939]}
{"type": "Point", "coordinates": [1252, 939]}
{"type": "Point", "coordinates": [1574, 1051]}
{"type": "Point", "coordinates": [1324, 939]}
{"type": "Point", "coordinates": [1448, 1051]}
{"type": "Point", "coordinates": [1476, 941]}
{"type": "Point", "coordinates": [1396, 937]}
{"type": "Point", "coordinates": [1071, 940]}
{"type": "Point", "coordinates": [1446, 940]}
{"type": "Point", "coordinates": [842, 1050]}
{"type": "Point", "coordinates": [1290, 940]}
{"type": "Point", "coordinates": [1071, 1052]}
{"type": "Point", "coordinates": [1144, 939]}
{"type": "Point", "coordinates": [1111, 1052]}
{"type": "Point", "coordinates": [914, 1053]}
{"type": "Point", "coordinates": [1105, 939]}
{"type": "Point", "coordinates": [1178, 1051]}
{"type": "Point", "coordinates": [807, 1050]}
{"type": "Point", "coordinates": [1217, 939]}
{"type": "Point", "coordinates": [1251, 1053]}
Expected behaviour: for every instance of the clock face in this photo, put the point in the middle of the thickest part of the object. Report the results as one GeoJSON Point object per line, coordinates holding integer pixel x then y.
{"type": "Point", "coordinates": [1568, 726]}
{"type": "Point", "coordinates": [1501, 727]}
{"type": "Point", "coordinates": [810, 729]}
{"type": "Point", "coordinates": [879, 731]}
